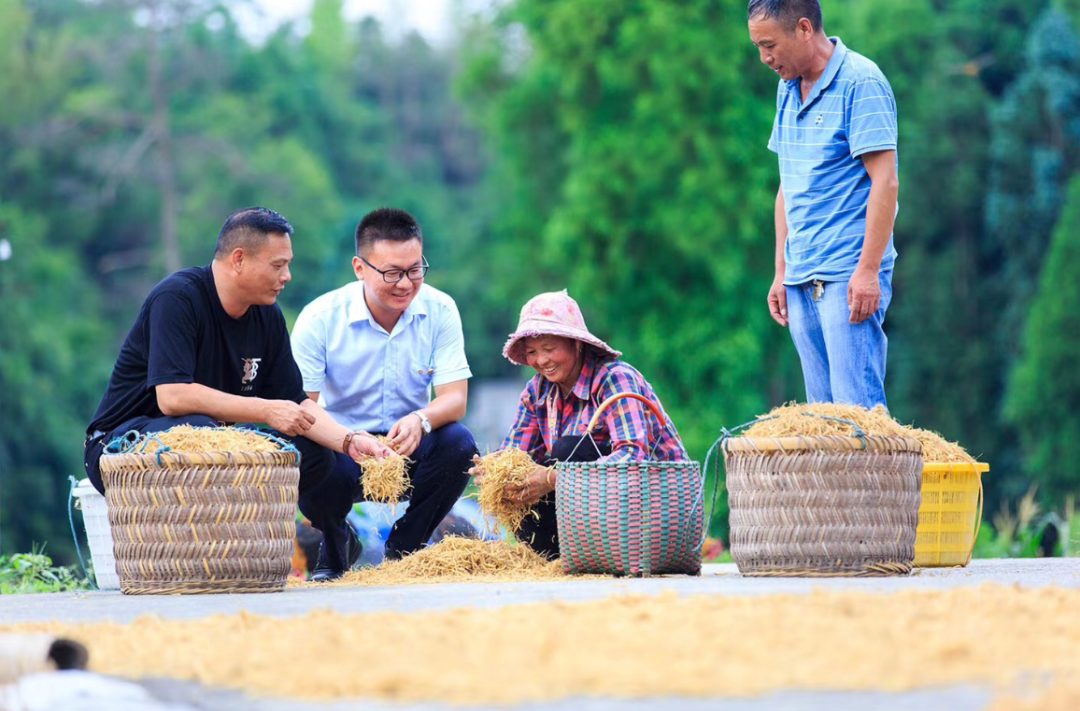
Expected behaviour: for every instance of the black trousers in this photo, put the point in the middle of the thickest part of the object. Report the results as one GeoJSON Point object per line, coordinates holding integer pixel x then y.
{"type": "Point", "coordinates": [438, 475]}
{"type": "Point", "coordinates": [316, 461]}
{"type": "Point", "coordinates": [540, 529]}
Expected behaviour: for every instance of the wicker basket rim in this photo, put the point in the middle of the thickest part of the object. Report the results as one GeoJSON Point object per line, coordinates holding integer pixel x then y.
{"type": "Point", "coordinates": [648, 463]}
{"type": "Point", "coordinates": [172, 460]}
{"type": "Point", "coordinates": [829, 443]}
{"type": "Point", "coordinates": [944, 467]}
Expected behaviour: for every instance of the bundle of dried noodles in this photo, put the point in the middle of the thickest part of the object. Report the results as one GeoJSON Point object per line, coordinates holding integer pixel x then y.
{"type": "Point", "coordinates": [500, 469]}
{"type": "Point", "coordinates": [384, 480]}
{"type": "Point", "coordinates": [185, 438]}
{"type": "Point", "coordinates": [792, 421]}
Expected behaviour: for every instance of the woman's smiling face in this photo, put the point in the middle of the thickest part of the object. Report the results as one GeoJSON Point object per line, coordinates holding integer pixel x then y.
{"type": "Point", "coordinates": [554, 357]}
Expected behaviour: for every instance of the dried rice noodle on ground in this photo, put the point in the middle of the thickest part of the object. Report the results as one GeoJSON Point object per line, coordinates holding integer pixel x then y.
{"type": "Point", "coordinates": [790, 421]}
{"type": "Point", "coordinates": [642, 646]}
{"type": "Point", "coordinates": [1062, 695]}
{"type": "Point", "coordinates": [456, 559]}
{"type": "Point", "coordinates": [509, 466]}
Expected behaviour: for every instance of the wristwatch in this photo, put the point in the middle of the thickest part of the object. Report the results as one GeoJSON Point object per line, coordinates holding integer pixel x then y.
{"type": "Point", "coordinates": [425, 423]}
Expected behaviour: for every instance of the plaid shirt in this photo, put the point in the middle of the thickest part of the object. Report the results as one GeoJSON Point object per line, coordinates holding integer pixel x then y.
{"type": "Point", "coordinates": [633, 431]}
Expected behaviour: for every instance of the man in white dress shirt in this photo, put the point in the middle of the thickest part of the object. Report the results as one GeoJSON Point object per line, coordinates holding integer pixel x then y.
{"type": "Point", "coordinates": [370, 353]}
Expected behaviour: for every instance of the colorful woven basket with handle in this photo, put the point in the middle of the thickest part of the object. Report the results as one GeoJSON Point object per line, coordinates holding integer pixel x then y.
{"type": "Point", "coordinates": [823, 506]}
{"type": "Point", "coordinates": [630, 518]}
{"type": "Point", "coordinates": [202, 522]}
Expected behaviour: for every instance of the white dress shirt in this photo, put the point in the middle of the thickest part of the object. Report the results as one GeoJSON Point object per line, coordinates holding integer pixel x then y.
{"type": "Point", "coordinates": [369, 379]}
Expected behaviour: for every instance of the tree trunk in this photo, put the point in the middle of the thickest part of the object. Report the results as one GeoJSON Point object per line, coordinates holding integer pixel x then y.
{"type": "Point", "coordinates": [166, 168]}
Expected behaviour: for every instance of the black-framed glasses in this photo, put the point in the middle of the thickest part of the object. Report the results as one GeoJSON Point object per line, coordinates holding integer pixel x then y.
{"type": "Point", "coordinates": [393, 276]}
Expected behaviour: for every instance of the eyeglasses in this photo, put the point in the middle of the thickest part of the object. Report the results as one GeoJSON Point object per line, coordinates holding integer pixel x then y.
{"type": "Point", "coordinates": [393, 276]}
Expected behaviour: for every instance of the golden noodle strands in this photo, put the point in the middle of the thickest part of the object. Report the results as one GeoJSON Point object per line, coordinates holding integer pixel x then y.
{"type": "Point", "coordinates": [1062, 694]}
{"type": "Point", "coordinates": [628, 646]}
{"type": "Point", "coordinates": [509, 466]}
{"type": "Point", "coordinates": [459, 560]}
{"type": "Point", "coordinates": [384, 480]}
{"type": "Point", "coordinates": [185, 438]}
{"type": "Point", "coordinates": [789, 421]}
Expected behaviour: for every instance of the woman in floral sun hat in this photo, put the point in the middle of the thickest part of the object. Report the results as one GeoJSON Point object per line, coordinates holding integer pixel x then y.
{"type": "Point", "coordinates": [576, 371]}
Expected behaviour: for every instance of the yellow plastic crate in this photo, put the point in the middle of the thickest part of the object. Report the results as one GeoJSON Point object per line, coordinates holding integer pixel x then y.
{"type": "Point", "coordinates": [950, 514]}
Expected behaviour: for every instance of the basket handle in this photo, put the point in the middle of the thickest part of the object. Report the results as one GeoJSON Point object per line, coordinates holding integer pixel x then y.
{"type": "Point", "coordinates": [618, 396]}
{"type": "Point", "coordinates": [74, 535]}
{"type": "Point", "coordinates": [608, 403]}
{"type": "Point", "coordinates": [725, 434]}
{"type": "Point", "coordinates": [978, 518]}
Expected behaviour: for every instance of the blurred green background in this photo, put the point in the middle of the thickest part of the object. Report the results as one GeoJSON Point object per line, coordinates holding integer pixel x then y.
{"type": "Point", "coordinates": [613, 147]}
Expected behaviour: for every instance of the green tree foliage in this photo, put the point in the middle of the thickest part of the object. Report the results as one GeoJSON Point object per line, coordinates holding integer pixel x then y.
{"type": "Point", "coordinates": [945, 64]}
{"type": "Point", "coordinates": [628, 147]}
{"type": "Point", "coordinates": [991, 35]}
{"type": "Point", "coordinates": [127, 121]}
{"type": "Point", "coordinates": [49, 320]}
{"type": "Point", "coordinates": [1035, 147]}
{"type": "Point", "coordinates": [616, 148]}
{"type": "Point", "coordinates": [649, 230]}
{"type": "Point", "coordinates": [49, 324]}
{"type": "Point", "coordinates": [962, 71]}
{"type": "Point", "coordinates": [1034, 150]}
{"type": "Point", "coordinates": [1045, 387]}
{"type": "Point", "coordinates": [654, 126]}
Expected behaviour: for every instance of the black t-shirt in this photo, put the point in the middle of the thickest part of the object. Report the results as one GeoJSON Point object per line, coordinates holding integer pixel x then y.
{"type": "Point", "coordinates": [183, 335]}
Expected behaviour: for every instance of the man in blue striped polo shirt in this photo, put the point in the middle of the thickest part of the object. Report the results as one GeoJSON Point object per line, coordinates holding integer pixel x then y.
{"type": "Point", "coordinates": [835, 134]}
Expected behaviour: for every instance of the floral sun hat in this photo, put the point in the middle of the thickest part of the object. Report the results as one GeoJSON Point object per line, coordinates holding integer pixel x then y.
{"type": "Point", "coordinates": [551, 314]}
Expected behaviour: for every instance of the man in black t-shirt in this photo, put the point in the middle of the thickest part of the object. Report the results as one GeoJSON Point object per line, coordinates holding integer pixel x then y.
{"type": "Point", "coordinates": [210, 345]}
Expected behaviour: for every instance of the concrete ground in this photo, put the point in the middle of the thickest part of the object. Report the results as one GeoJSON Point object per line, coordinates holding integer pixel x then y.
{"type": "Point", "coordinates": [715, 580]}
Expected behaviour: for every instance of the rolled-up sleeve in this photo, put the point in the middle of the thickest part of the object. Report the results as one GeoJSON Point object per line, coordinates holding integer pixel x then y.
{"type": "Point", "coordinates": [449, 354]}
{"type": "Point", "coordinates": [309, 348]}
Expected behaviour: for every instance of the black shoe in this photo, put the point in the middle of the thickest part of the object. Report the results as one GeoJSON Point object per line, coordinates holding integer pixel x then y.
{"type": "Point", "coordinates": [325, 571]}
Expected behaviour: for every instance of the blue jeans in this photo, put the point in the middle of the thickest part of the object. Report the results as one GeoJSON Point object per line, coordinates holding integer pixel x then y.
{"type": "Point", "coordinates": [841, 362]}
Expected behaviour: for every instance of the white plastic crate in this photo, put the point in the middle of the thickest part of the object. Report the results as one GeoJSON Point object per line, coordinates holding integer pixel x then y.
{"type": "Point", "coordinates": [96, 518]}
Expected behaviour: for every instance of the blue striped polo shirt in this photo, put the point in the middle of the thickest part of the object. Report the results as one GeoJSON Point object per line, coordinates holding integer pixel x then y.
{"type": "Point", "coordinates": [850, 111]}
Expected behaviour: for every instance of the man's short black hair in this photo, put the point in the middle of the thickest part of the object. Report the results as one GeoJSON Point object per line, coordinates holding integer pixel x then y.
{"type": "Point", "coordinates": [786, 12]}
{"type": "Point", "coordinates": [248, 229]}
{"type": "Point", "coordinates": [387, 223]}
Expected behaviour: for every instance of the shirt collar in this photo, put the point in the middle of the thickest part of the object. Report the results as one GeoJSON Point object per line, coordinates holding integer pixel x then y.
{"type": "Point", "coordinates": [827, 76]}
{"type": "Point", "coordinates": [583, 387]}
{"type": "Point", "coordinates": [359, 311]}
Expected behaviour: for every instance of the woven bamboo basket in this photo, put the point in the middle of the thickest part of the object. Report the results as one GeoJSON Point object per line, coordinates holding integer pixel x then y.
{"type": "Point", "coordinates": [202, 522]}
{"type": "Point", "coordinates": [629, 518]}
{"type": "Point", "coordinates": [823, 506]}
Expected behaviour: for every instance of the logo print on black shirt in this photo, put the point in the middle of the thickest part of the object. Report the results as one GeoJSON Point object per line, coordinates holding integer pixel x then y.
{"type": "Point", "coordinates": [251, 369]}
